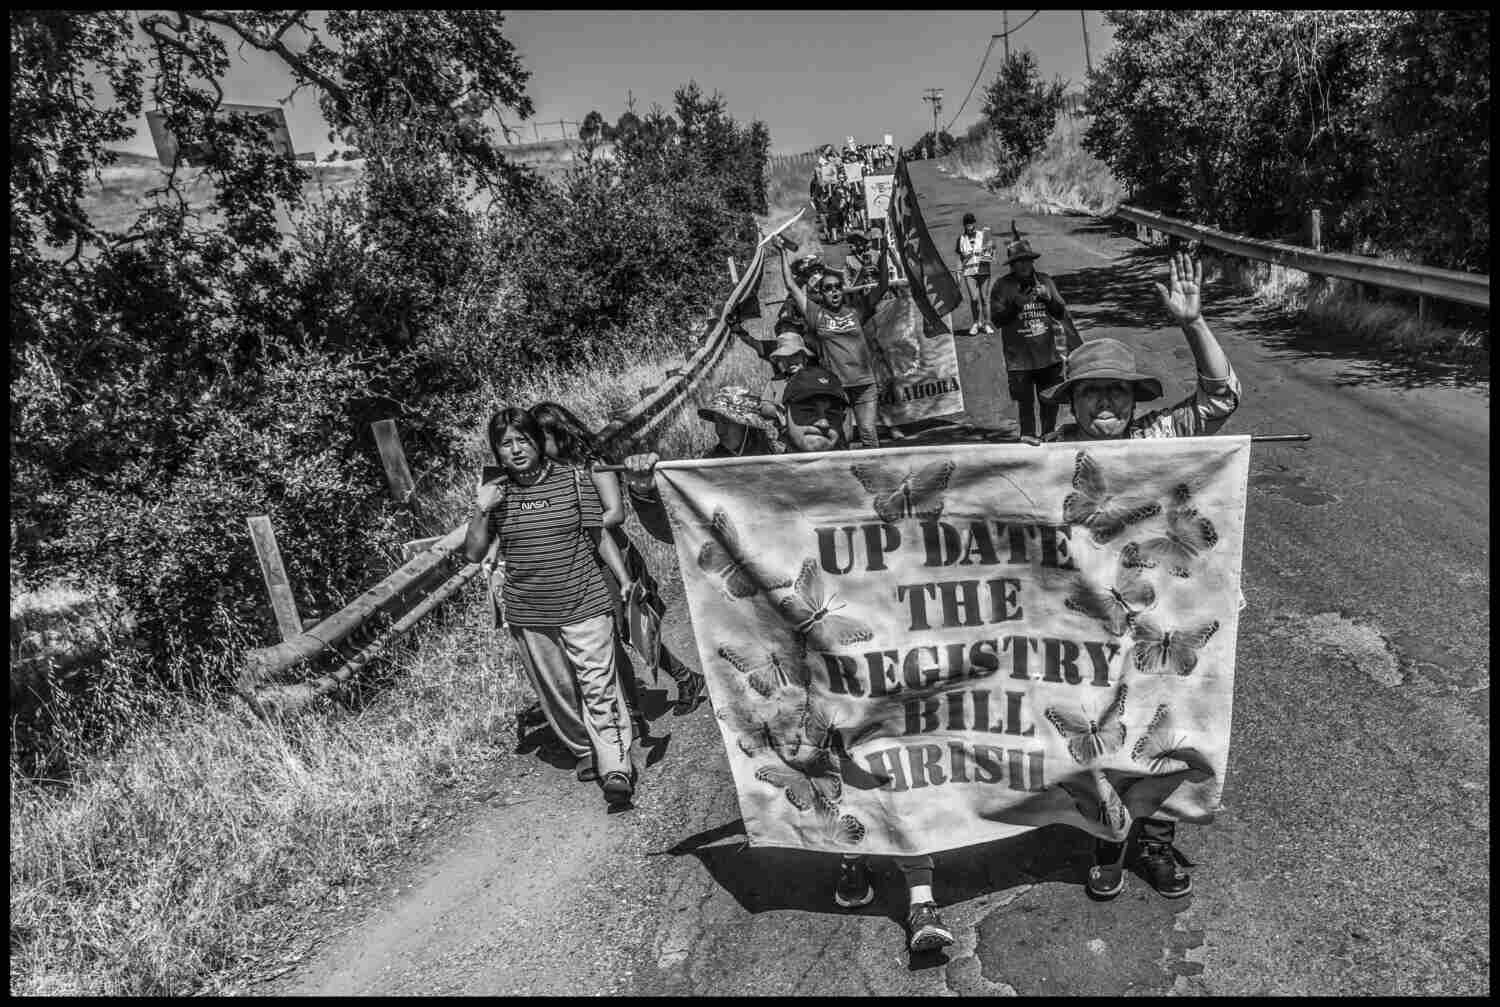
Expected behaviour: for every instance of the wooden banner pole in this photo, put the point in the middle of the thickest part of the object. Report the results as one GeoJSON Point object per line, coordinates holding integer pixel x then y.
{"type": "Point", "coordinates": [394, 460]}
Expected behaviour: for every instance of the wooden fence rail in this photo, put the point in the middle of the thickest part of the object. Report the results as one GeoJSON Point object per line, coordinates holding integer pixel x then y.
{"type": "Point", "coordinates": [373, 621]}
{"type": "Point", "coordinates": [1424, 281]}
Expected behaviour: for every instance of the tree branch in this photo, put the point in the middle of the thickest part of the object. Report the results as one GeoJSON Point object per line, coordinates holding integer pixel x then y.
{"type": "Point", "coordinates": [273, 43]}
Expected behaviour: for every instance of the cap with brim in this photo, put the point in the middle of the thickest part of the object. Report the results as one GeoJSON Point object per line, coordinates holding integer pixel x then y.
{"type": "Point", "coordinates": [788, 343]}
{"type": "Point", "coordinates": [812, 383]}
{"type": "Point", "coordinates": [1103, 360]}
{"type": "Point", "coordinates": [736, 405]}
{"type": "Point", "coordinates": [1020, 250]}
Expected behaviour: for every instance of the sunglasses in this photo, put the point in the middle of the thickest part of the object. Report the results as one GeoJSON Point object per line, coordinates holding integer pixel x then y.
{"type": "Point", "coordinates": [807, 413]}
{"type": "Point", "coordinates": [831, 286]}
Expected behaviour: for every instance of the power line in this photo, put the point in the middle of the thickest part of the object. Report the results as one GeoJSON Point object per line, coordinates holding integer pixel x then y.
{"type": "Point", "coordinates": [1005, 35]}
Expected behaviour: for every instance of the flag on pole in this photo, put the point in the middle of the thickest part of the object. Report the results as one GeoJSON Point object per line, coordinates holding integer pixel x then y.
{"type": "Point", "coordinates": [744, 301]}
{"type": "Point", "coordinates": [932, 285]}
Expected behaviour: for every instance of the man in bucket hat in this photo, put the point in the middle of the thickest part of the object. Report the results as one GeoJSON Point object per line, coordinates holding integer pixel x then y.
{"type": "Point", "coordinates": [1102, 382]}
{"type": "Point", "coordinates": [1036, 332]}
{"type": "Point", "coordinates": [738, 423]}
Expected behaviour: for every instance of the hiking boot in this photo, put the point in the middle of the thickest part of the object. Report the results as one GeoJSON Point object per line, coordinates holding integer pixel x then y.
{"type": "Point", "coordinates": [854, 888]}
{"type": "Point", "coordinates": [1107, 876]}
{"type": "Point", "coordinates": [927, 930]}
{"type": "Point", "coordinates": [585, 770]}
{"type": "Point", "coordinates": [1157, 862]}
{"type": "Point", "coordinates": [689, 690]}
{"type": "Point", "coordinates": [618, 790]}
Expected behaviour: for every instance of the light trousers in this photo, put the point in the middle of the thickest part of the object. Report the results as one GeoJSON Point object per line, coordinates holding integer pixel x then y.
{"type": "Point", "coordinates": [572, 668]}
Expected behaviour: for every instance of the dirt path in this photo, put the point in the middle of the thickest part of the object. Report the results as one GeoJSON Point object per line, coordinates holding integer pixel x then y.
{"type": "Point", "coordinates": [1352, 854]}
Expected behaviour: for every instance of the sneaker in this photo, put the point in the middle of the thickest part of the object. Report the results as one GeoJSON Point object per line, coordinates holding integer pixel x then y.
{"type": "Point", "coordinates": [1107, 876]}
{"type": "Point", "coordinates": [989, 329]}
{"type": "Point", "coordinates": [1158, 864]}
{"type": "Point", "coordinates": [618, 789]}
{"type": "Point", "coordinates": [928, 932]}
{"type": "Point", "coordinates": [854, 889]}
{"type": "Point", "coordinates": [974, 329]}
{"type": "Point", "coordinates": [585, 770]}
{"type": "Point", "coordinates": [689, 691]}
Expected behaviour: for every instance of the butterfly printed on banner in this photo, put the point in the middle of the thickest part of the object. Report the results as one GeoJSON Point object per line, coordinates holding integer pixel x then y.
{"type": "Point", "coordinates": [916, 493]}
{"type": "Point", "coordinates": [1098, 801]}
{"type": "Point", "coordinates": [841, 828]}
{"type": "Point", "coordinates": [1091, 505]}
{"type": "Point", "coordinates": [1165, 751]}
{"type": "Point", "coordinates": [723, 556]}
{"type": "Point", "coordinates": [1188, 535]}
{"type": "Point", "coordinates": [768, 675]}
{"type": "Point", "coordinates": [1113, 606]}
{"type": "Point", "coordinates": [814, 617]}
{"type": "Point", "coordinates": [1168, 652]}
{"type": "Point", "coordinates": [1090, 739]}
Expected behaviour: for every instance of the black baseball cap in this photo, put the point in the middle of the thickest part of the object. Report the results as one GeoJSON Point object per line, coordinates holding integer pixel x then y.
{"type": "Point", "coordinates": [812, 382]}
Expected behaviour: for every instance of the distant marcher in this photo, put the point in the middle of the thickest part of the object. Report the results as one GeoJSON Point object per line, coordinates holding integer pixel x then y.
{"type": "Point", "coordinates": [1036, 333]}
{"type": "Point", "coordinates": [837, 334]}
{"type": "Point", "coordinates": [549, 520]}
{"type": "Point", "coordinates": [975, 252]}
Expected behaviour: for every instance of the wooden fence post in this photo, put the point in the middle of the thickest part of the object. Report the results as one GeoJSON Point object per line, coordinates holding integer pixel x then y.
{"type": "Point", "coordinates": [734, 274]}
{"type": "Point", "coordinates": [274, 573]}
{"type": "Point", "coordinates": [1315, 230]}
{"type": "Point", "coordinates": [394, 460]}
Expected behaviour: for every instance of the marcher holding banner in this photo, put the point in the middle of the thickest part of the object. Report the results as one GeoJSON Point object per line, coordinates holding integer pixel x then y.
{"type": "Point", "coordinates": [548, 518]}
{"type": "Point", "coordinates": [813, 420]}
{"type": "Point", "coordinates": [837, 333]}
{"type": "Point", "coordinates": [1101, 382]}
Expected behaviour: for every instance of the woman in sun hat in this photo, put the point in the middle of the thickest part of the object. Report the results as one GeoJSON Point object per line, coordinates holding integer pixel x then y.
{"type": "Point", "coordinates": [1036, 332]}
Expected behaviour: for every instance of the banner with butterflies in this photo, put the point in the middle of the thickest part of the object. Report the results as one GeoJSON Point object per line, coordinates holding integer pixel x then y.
{"type": "Point", "coordinates": [915, 649]}
{"type": "Point", "coordinates": [917, 365]}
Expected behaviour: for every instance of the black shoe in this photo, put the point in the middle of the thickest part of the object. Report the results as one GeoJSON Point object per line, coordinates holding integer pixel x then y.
{"type": "Point", "coordinates": [854, 888]}
{"type": "Point", "coordinates": [926, 928]}
{"type": "Point", "coordinates": [689, 691]}
{"type": "Point", "coordinates": [618, 790]}
{"type": "Point", "coordinates": [585, 770]}
{"type": "Point", "coordinates": [1157, 862]}
{"type": "Point", "coordinates": [1107, 876]}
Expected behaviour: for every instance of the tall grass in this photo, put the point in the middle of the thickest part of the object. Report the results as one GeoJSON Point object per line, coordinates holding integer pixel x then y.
{"type": "Point", "coordinates": [1062, 176]}
{"type": "Point", "coordinates": [202, 847]}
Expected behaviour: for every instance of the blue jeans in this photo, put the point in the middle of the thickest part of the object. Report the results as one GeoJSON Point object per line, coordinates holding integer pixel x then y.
{"type": "Point", "coordinates": [865, 400]}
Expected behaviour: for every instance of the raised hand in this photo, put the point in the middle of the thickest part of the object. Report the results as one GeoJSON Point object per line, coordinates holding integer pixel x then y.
{"type": "Point", "coordinates": [638, 475]}
{"type": "Point", "coordinates": [1181, 297]}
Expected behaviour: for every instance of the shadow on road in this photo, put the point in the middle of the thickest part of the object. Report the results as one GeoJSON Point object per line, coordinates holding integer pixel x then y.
{"type": "Point", "coordinates": [762, 878]}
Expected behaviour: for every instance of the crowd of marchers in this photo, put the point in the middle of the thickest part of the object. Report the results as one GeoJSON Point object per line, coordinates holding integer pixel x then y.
{"type": "Point", "coordinates": [575, 590]}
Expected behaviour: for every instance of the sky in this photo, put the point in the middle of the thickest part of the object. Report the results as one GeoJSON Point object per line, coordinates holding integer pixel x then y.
{"type": "Point", "coordinates": [813, 77]}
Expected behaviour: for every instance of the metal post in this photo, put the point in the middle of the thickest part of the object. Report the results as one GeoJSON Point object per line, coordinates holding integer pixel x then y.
{"type": "Point", "coordinates": [1005, 27]}
{"type": "Point", "coordinates": [394, 460]}
{"type": "Point", "coordinates": [274, 573]}
{"type": "Point", "coordinates": [1315, 230]}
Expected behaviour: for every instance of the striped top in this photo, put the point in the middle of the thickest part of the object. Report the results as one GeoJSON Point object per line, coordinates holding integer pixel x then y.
{"type": "Point", "coordinates": [552, 569]}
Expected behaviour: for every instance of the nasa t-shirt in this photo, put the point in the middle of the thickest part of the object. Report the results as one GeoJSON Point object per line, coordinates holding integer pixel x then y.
{"type": "Point", "coordinates": [552, 574]}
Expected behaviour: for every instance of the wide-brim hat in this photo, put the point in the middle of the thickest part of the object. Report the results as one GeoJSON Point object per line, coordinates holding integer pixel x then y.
{"type": "Point", "coordinates": [1020, 249]}
{"type": "Point", "coordinates": [736, 405]}
{"type": "Point", "coordinates": [1103, 360]}
{"type": "Point", "coordinates": [788, 343]}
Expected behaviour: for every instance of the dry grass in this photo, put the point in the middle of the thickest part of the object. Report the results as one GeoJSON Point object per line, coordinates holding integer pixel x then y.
{"type": "Point", "coordinates": [1062, 177]}
{"type": "Point", "coordinates": [195, 858]}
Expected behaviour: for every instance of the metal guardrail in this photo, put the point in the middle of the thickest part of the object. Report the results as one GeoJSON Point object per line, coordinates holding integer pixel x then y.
{"type": "Point", "coordinates": [1424, 281]}
{"type": "Point", "coordinates": [372, 622]}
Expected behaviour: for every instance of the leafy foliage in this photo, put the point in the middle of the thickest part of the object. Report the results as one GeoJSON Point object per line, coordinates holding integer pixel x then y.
{"type": "Point", "coordinates": [170, 380]}
{"type": "Point", "coordinates": [1380, 118]}
{"type": "Point", "coordinates": [1019, 110]}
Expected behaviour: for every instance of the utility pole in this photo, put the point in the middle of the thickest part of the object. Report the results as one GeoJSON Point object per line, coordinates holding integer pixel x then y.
{"type": "Point", "coordinates": [1005, 27]}
{"type": "Point", "coordinates": [934, 95]}
{"type": "Point", "coordinates": [1088, 63]}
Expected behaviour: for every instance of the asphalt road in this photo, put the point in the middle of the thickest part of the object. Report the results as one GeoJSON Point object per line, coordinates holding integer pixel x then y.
{"type": "Point", "coordinates": [1351, 856]}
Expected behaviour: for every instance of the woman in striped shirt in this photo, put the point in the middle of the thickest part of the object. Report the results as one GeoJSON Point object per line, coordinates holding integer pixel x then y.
{"type": "Point", "coordinates": [549, 520]}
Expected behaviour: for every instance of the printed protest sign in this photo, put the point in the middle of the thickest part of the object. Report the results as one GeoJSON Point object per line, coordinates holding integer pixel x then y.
{"type": "Point", "coordinates": [917, 365]}
{"type": "Point", "coordinates": [853, 171]}
{"type": "Point", "coordinates": [878, 195]}
{"type": "Point", "coordinates": [915, 649]}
